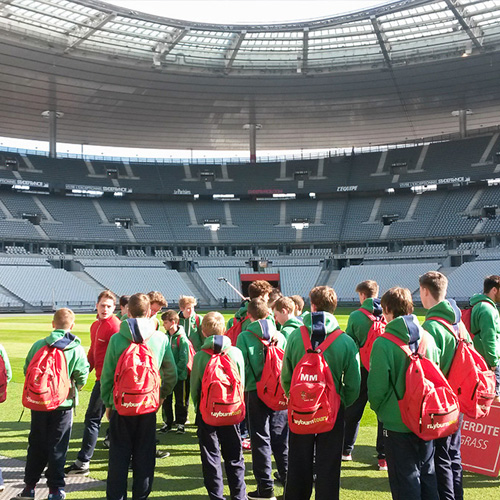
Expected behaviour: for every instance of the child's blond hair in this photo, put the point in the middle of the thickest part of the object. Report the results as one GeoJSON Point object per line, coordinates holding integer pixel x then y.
{"type": "Point", "coordinates": [213, 323]}
{"type": "Point", "coordinates": [187, 300]}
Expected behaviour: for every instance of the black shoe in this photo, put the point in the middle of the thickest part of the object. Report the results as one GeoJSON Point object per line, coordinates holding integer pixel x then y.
{"type": "Point", "coordinates": [75, 470]}
{"type": "Point", "coordinates": [259, 495]}
{"type": "Point", "coordinates": [165, 428]}
{"type": "Point", "coordinates": [162, 454]}
{"type": "Point", "coordinates": [180, 429]}
{"type": "Point", "coordinates": [26, 494]}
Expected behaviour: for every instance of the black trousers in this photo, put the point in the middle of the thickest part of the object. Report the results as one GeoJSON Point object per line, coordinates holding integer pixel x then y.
{"type": "Point", "coordinates": [47, 446]}
{"type": "Point", "coordinates": [448, 464]}
{"type": "Point", "coordinates": [319, 454]}
{"type": "Point", "coordinates": [131, 437]}
{"type": "Point", "coordinates": [181, 393]}
{"type": "Point", "coordinates": [269, 436]}
{"type": "Point", "coordinates": [228, 438]}
{"type": "Point", "coordinates": [411, 466]}
{"type": "Point", "coordinates": [353, 415]}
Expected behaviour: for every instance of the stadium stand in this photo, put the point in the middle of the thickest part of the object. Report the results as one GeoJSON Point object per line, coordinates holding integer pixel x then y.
{"type": "Point", "coordinates": [468, 279]}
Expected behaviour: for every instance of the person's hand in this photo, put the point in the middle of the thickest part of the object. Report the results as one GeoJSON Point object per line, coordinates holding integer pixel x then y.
{"type": "Point", "coordinates": [161, 403]}
{"type": "Point", "coordinates": [108, 414]}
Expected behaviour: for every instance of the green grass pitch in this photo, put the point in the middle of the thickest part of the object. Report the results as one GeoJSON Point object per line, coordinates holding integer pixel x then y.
{"type": "Point", "coordinates": [179, 475]}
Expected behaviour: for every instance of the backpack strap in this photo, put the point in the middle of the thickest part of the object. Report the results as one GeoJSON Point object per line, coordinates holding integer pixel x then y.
{"type": "Point", "coordinates": [369, 315]}
{"type": "Point", "coordinates": [422, 345]}
{"type": "Point", "coordinates": [454, 329]}
{"type": "Point", "coordinates": [324, 345]}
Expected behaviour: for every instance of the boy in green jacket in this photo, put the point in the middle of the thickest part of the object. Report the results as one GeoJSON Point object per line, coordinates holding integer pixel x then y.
{"type": "Point", "coordinates": [410, 460]}
{"type": "Point", "coordinates": [447, 458]}
{"type": "Point", "coordinates": [191, 321]}
{"type": "Point", "coordinates": [485, 325]}
{"type": "Point", "coordinates": [284, 314]}
{"type": "Point", "coordinates": [320, 454]}
{"type": "Point", "coordinates": [134, 436]}
{"type": "Point", "coordinates": [179, 344]}
{"type": "Point", "coordinates": [8, 377]}
{"type": "Point", "coordinates": [268, 428]}
{"type": "Point", "coordinates": [50, 431]}
{"type": "Point", "coordinates": [226, 437]}
{"type": "Point", "coordinates": [358, 326]}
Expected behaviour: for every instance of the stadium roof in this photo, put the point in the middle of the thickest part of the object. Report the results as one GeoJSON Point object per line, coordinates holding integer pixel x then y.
{"type": "Point", "coordinates": [122, 78]}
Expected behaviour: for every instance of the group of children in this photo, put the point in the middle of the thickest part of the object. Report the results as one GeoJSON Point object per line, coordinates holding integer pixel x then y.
{"type": "Point", "coordinates": [183, 361]}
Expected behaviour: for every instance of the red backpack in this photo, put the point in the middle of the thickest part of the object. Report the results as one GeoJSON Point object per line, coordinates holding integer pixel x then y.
{"type": "Point", "coordinates": [376, 329]}
{"type": "Point", "coordinates": [137, 381]}
{"type": "Point", "coordinates": [313, 402]}
{"type": "Point", "coordinates": [429, 407]}
{"type": "Point", "coordinates": [191, 352]}
{"type": "Point", "coordinates": [235, 329]}
{"type": "Point", "coordinates": [269, 387]}
{"type": "Point", "coordinates": [222, 400]}
{"type": "Point", "coordinates": [469, 377]}
{"type": "Point", "coordinates": [466, 315]}
{"type": "Point", "coordinates": [3, 380]}
{"type": "Point", "coordinates": [47, 382]}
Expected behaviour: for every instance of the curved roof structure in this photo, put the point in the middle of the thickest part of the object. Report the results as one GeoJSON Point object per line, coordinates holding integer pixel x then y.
{"type": "Point", "coordinates": [122, 78]}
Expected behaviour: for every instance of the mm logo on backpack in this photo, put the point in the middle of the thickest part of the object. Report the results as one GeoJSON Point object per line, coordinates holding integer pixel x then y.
{"type": "Point", "coordinates": [47, 382]}
{"type": "Point", "coordinates": [429, 407]}
{"type": "Point", "coordinates": [137, 380]}
{"type": "Point", "coordinates": [313, 401]}
{"type": "Point", "coordinates": [222, 401]}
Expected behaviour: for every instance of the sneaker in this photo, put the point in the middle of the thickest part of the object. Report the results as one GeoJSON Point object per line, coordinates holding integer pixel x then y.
{"type": "Point", "coordinates": [162, 454]}
{"type": "Point", "coordinates": [60, 495]}
{"type": "Point", "coordinates": [26, 494]}
{"type": "Point", "coordinates": [74, 470]}
{"type": "Point", "coordinates": [257, 495]}
{"type": "Point", "coordinates": [180, 429]}
{"type": "Point", "coordinates": [347, 458]}
{"type": "Point", "coordinates": [165, 428]}
{"type": "Point", "coordinates": [382, 464]}
{"type": "Point", "coordinates": [245, 444]}
{"type": "Point", "coordinates": [105, 443]}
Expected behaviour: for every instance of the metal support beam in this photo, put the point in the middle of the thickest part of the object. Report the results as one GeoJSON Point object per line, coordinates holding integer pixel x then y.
{"type": "Point", "coordinates": [233, 49]}
{"type": "Point", "coordinates": [304, 67]}
{"type": "Point", "coordinates": [385, 46]}
{"type": "Point", "coordinates": [52, 134]}
{"type": "Point", "coordinates": [83, 32]}
{"type": "Point", "coordinates": [473, 31]}
{"type": "Point", "coordinates": [165, 46]}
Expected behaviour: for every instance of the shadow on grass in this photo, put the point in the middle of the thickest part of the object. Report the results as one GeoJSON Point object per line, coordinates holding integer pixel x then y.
{"type": "Point", "coordinates": [472, 480]}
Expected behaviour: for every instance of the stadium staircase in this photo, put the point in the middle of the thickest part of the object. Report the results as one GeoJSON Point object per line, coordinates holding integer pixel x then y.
{"type": "Point", "coordinates": [26, 307]}
{"type": "Point", "coordinates": [199, 289]}
{"type": "Point", "coordinates": [82, 275]}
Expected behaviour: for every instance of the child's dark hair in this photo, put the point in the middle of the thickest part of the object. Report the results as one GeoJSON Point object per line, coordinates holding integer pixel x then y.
{"type": "Point", "coordinates": [258, 309]}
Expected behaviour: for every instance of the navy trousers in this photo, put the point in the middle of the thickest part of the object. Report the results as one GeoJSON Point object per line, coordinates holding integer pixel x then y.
{"type": "Point", "coordinates": [411, 466]}
{"type": "Point", "coordinates": [93, 417]}
{"type": "Point", "coordinates": [269, 436]}
{"type": "Point", "coordinates": [319, 455]}
{"type": "Point", "coordinates": [353, 415]}
{"type": "Point", "coordinates": [181, 393]}
{"type": "Point", "coordinates": [448, 464]}
{"type": "Point", "coordinates": [212, 441]}
{"type": "Point", "coordinates": [47, 446]}
{"type": "Point", "coordinates": [131, 437]}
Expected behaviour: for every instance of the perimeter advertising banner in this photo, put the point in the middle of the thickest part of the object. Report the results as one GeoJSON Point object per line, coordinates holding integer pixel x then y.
{"type": "Point", "coordinates": [481, 443]}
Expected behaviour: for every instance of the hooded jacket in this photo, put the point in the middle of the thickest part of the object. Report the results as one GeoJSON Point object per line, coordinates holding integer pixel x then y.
{"type": "Point", "coordinates": [179, 344]}
{"type": "Point", "coordinates": [358, 324]}
{"type": "Point", "coordinates": [388, 366]}
{"type": "Point", "coordinates": [485, 326]}
{"type": "Point", "coordinates": [289, 326]}
{"type": "Point", "coordinates": [78, 366]}
{"type": "Point", "coordinates": [342, 356]}
{"type": "Point", "coordinates": [201, 359]}
{"type": "Point", "coordinates": [192, 328]}
{"type": "Point", "coordinates": [158, 344]}
{"type": "Point", "coordinates": [445, 341]}
{"type": "Point", "coordinates": [253, 349]}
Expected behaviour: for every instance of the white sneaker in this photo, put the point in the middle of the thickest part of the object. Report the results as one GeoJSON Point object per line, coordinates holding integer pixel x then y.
{"type": "Point", "coordinates": [347, 458]}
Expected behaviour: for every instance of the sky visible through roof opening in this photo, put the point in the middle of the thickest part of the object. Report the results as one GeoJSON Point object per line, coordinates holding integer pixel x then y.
{"type": "Point", "coordinates": [216, 12]}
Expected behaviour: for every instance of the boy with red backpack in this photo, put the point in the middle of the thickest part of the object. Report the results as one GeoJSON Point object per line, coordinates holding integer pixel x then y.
{"type": "Point", "coordinates": [5, 377]}
{"type": "Point", "coordinates": [180, 345]}
{"type": "Point", "coordinates": [485, 325]}
{"type": "Point", "coordinates": [267, 425]}
{"type": "Point", "coordinates": [363, 326]}
{"type": "Point", "coordinates": [441, 318]}
{"type": "Point", "coordinates": [318, 452]}
{"type": "Point", "coordinates": [138, 373]}
{"type": "Point", "coordinates": [56, 368]}
{"type": "Point", "coordinates": [284, 315]}
{"type": "Point", "coordinates": [410, 459]}
{"type": "Point", "coordinates": [219, 366]}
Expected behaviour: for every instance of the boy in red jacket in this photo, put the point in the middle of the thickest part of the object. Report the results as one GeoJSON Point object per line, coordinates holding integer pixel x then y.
{"type": "Point", "coordinates": [101, 331]}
